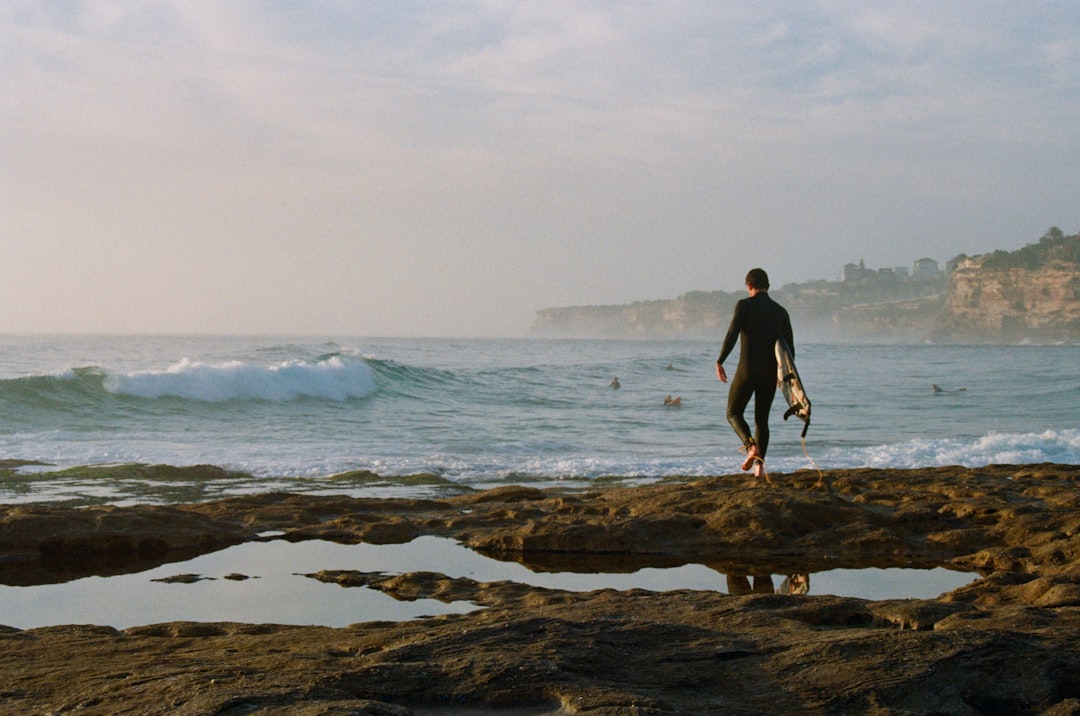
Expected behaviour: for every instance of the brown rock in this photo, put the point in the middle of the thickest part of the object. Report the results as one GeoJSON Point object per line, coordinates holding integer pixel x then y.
{"type": "Point", "coordinates": [44, 543]}
{"type": "Point", "coordinates": [1003, 644]}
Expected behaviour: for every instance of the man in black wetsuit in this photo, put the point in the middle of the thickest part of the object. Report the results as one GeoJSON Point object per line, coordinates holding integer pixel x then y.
{"type": "Point", "coordinates": [757, 323]}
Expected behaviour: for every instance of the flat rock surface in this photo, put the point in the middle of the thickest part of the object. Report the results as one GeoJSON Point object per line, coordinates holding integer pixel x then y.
{"type": "Point", "coordinates": [1007, 643]}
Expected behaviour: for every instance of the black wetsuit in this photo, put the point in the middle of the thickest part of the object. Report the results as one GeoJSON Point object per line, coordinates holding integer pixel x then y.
{"type": "Point", "coordinates": [757, 323]}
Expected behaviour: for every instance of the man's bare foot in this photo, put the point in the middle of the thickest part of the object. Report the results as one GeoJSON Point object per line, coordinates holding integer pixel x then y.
{"type": "Point", "coordinates": [753, 456]}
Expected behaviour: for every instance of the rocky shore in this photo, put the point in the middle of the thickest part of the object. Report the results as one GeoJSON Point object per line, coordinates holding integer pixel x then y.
{"type": "Point", "coordinates": [1007, 643]}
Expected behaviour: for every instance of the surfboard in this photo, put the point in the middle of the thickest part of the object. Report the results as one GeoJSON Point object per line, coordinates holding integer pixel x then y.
{"type": "Point", "coordinates": [787, 377]}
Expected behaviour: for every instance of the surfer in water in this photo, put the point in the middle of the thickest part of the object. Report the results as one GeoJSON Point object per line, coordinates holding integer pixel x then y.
{"type": "Point", "coordinates": [757, 323]}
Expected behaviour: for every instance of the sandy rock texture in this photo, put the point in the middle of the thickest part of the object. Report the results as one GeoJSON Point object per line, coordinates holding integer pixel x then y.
{"type": "Point", "coordinates": [1006, 644]}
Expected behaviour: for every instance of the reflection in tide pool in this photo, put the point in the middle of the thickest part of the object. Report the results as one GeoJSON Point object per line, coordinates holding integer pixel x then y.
{"type": "Point", "coordinates": [275, 590]}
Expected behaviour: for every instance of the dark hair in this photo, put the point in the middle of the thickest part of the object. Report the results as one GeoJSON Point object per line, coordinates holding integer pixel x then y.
{"type": "Point", "coordinates": [757, 278]}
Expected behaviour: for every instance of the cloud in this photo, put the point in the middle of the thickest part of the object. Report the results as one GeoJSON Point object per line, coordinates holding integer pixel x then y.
{"type": "Point", "coordinates": [496, 157]}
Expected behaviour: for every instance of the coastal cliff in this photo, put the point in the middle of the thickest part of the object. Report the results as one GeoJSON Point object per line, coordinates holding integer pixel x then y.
{"type": "Point", "coordinates": [1032, 294]}
{"type": "Point", "coordinates": [1029, 295]}
{"type": "Point", "coordinates": [692, 315]}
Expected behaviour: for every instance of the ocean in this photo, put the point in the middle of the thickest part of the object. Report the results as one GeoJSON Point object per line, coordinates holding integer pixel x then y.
{"type": "Point", "coordinates": [400, 417]}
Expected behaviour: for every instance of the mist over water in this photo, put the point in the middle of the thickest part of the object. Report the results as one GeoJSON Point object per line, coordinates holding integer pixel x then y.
{"type": "Point", "coordinates": [430, 415]}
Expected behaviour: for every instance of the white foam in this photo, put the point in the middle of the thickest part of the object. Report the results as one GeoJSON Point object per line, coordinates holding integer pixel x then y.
{"type": "Point", "coordinates": [1057, 446]}
{"type": "Point", "coordinates": [332, 378]}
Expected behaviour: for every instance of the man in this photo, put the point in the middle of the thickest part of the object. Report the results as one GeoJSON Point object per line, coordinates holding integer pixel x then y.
{"type": "Point", "coordinates": [758, 322]}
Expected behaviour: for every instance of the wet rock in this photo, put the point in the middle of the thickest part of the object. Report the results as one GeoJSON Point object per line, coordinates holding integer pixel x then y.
{"type": "Point", "coordinates": [181, 579]}
{"type": "Point", "coordinates": [45, 543]}
{"type": "Point", "coordinates": [1006, 643]}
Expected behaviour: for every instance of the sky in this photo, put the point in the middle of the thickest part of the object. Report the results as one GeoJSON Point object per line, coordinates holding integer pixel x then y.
{"type": "Point", "coordinates": [448, 168]}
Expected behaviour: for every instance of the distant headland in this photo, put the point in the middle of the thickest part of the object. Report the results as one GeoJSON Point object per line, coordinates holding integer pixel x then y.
{"type": "Point", "coordinates": [1029, 295]}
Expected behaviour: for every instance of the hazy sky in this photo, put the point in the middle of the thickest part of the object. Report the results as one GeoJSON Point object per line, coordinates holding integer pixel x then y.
{"type": "Point", "coordinates": [450, 167]}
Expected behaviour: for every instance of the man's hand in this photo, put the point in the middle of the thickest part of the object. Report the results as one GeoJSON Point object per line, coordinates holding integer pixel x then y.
{"type": "Point", "coordinates": [721, 373]}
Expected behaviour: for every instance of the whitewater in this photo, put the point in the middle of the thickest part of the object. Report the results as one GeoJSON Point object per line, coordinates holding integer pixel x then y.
{"type": "Point", "coordinates": [411, 417]}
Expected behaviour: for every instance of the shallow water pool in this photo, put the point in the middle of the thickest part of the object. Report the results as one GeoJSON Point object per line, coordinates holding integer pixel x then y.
{"type": "Point", "coordinates": [264, 582]}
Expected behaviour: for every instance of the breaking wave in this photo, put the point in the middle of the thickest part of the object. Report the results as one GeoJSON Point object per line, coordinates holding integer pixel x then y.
{"type": "Point", "coordinates": [332, 378]}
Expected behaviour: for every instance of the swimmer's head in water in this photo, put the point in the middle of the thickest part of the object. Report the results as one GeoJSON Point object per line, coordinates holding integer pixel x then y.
{"type": "Point", "coordinates": [757, 278]}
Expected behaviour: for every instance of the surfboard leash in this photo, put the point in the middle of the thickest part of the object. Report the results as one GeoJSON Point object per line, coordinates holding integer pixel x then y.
{"type": "Point", "coordinates": [821, 475]}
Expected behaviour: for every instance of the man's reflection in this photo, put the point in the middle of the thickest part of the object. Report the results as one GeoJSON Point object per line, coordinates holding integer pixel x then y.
{"type": "Point", "coordinates": [795, 584]}
{"type": "Point", "coordinates": [740, 584]}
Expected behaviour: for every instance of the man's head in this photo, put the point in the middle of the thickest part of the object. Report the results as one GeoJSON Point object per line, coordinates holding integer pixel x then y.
{"type": "Point", "coordinates": [757, 278]}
